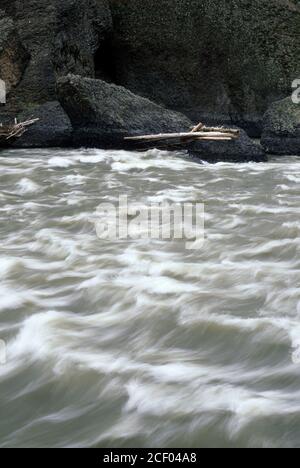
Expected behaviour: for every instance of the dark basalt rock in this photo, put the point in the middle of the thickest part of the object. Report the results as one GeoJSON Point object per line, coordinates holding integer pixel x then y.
{"type": "Point", "coordinates": [242, 150]}
{"type": "Point", "coordinates": [13, 56]}
{"type": "Point", "coordinates": [61, 37]}
{"type": "Point", "coordinates": [82, 30]}
{"type": "Point", "coordinates": [102, 114]}
{"type": "Point", "coordinates": [217, 61]}
{"type": "Point", "coordinates": [39, 41]}
{"type": "Point", "coordinates": [54, 128]}
{"type": "Point", "coordinates": [281, 129]}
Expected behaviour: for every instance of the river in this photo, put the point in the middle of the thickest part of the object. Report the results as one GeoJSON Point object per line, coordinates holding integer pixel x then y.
{"type": "Point", "coordinates": [143, 343]}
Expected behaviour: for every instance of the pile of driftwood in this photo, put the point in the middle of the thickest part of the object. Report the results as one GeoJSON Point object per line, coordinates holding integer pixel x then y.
{"type": "Point", "coordinates": [15, 130]}
{"type": "Point", "coordinates": [198, 133]}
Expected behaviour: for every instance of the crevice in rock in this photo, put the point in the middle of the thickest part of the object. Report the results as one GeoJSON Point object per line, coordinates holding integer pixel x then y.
{"type": "Point", "coordinates": [104, 61]}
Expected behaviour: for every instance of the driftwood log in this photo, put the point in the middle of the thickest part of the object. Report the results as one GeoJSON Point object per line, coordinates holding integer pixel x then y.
{"type": "Point", "coordinates": [183, 136]}
{"type": "Point", "coordinates": [197, 133]}
{"type": "Point", "coordinates": [15, 130]}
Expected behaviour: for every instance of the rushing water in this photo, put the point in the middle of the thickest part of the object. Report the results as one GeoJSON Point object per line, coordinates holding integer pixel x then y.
{"type": "Point", "coordinates": [143, 343]}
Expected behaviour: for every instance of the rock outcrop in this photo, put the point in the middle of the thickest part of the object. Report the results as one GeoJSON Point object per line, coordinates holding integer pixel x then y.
{"type": "Point", "coordinates": [13, 56]}
{"type": "Point", "coordinates": [281, 129]}
{"type": "Point", "coordinates": [215, 61]}
{"type": "Point", "coordinates": [242, 150]}
{"type": "Point", "coordinates": [60, 37]}
{"type": "Point", "coordinates": [218, 62]}
{"type": "Point", "coordinates": [102, 114]}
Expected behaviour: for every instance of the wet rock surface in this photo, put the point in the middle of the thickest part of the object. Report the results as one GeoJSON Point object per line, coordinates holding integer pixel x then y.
{"type": "Point", "coordinates": [243, 149]}
{"type": "Point", "coordinates": [219, 62]}
{"type": "Point", "coordinates": [103, 113]}
{"type": "Point", "coordinates": [281, 130]}
{"type": "Point", "coordinates": [53, 129]}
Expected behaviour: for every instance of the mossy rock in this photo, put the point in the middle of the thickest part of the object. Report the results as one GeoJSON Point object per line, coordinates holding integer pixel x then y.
{"type": "Point", "coordinates": [281, 128]}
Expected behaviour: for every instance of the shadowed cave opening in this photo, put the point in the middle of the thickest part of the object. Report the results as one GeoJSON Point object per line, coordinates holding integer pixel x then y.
{"type": "Point", "coordinates": [104, 62]}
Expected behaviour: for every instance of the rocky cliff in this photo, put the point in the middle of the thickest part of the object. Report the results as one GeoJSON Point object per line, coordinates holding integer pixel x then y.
{"type": "Point", "coordinates": [218, 61]}
{"type": "Point", "coordinates": [59, 38]}
{"type": "Point", "coordinates": [225, 60]}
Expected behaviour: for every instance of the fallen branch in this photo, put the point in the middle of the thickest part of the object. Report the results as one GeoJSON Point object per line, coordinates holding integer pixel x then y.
{"type": "Point", "coordinates": [198, 133]}
{"type": "Point", "coordinates": [233, 131]}
{"type": "Point", "coordinates": [197, 128]}
{"type": "Point", "coordinates": [216, 138]}
{"type": "Point", "coordinates": [16, 130]}
{"type": "Point", "coordinates": [184, 136]}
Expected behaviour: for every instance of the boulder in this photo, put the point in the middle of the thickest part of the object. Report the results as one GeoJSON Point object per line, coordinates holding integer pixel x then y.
{"type": "Point", "coordinates": [241, 150]}
{"type": "Point", "coordinates": [102, 114]}
{"type": "Point", "coordinates": [281, 128]}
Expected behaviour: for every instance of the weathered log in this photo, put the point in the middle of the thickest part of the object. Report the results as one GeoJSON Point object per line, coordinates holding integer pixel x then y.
{"type": "Point", "coordinates": [16, 130]}
{"type": "Point", "coordinates": [183, 136]}
{"type": "Point", "coordinates": [233, 131]}
{"type": "Point", "coordinates": [216, 138]}
{"type": "Point", "coordinates": [197, 128]}
{"type": "Point", "coordinates": [204, 128]}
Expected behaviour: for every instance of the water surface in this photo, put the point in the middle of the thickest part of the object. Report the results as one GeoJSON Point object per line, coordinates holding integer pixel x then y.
{"type": "Point", "coordinates": [143, 343]}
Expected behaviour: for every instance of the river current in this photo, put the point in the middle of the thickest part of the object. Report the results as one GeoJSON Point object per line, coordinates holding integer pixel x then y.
{"type": "Point", "coordinates": [143, 343]}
